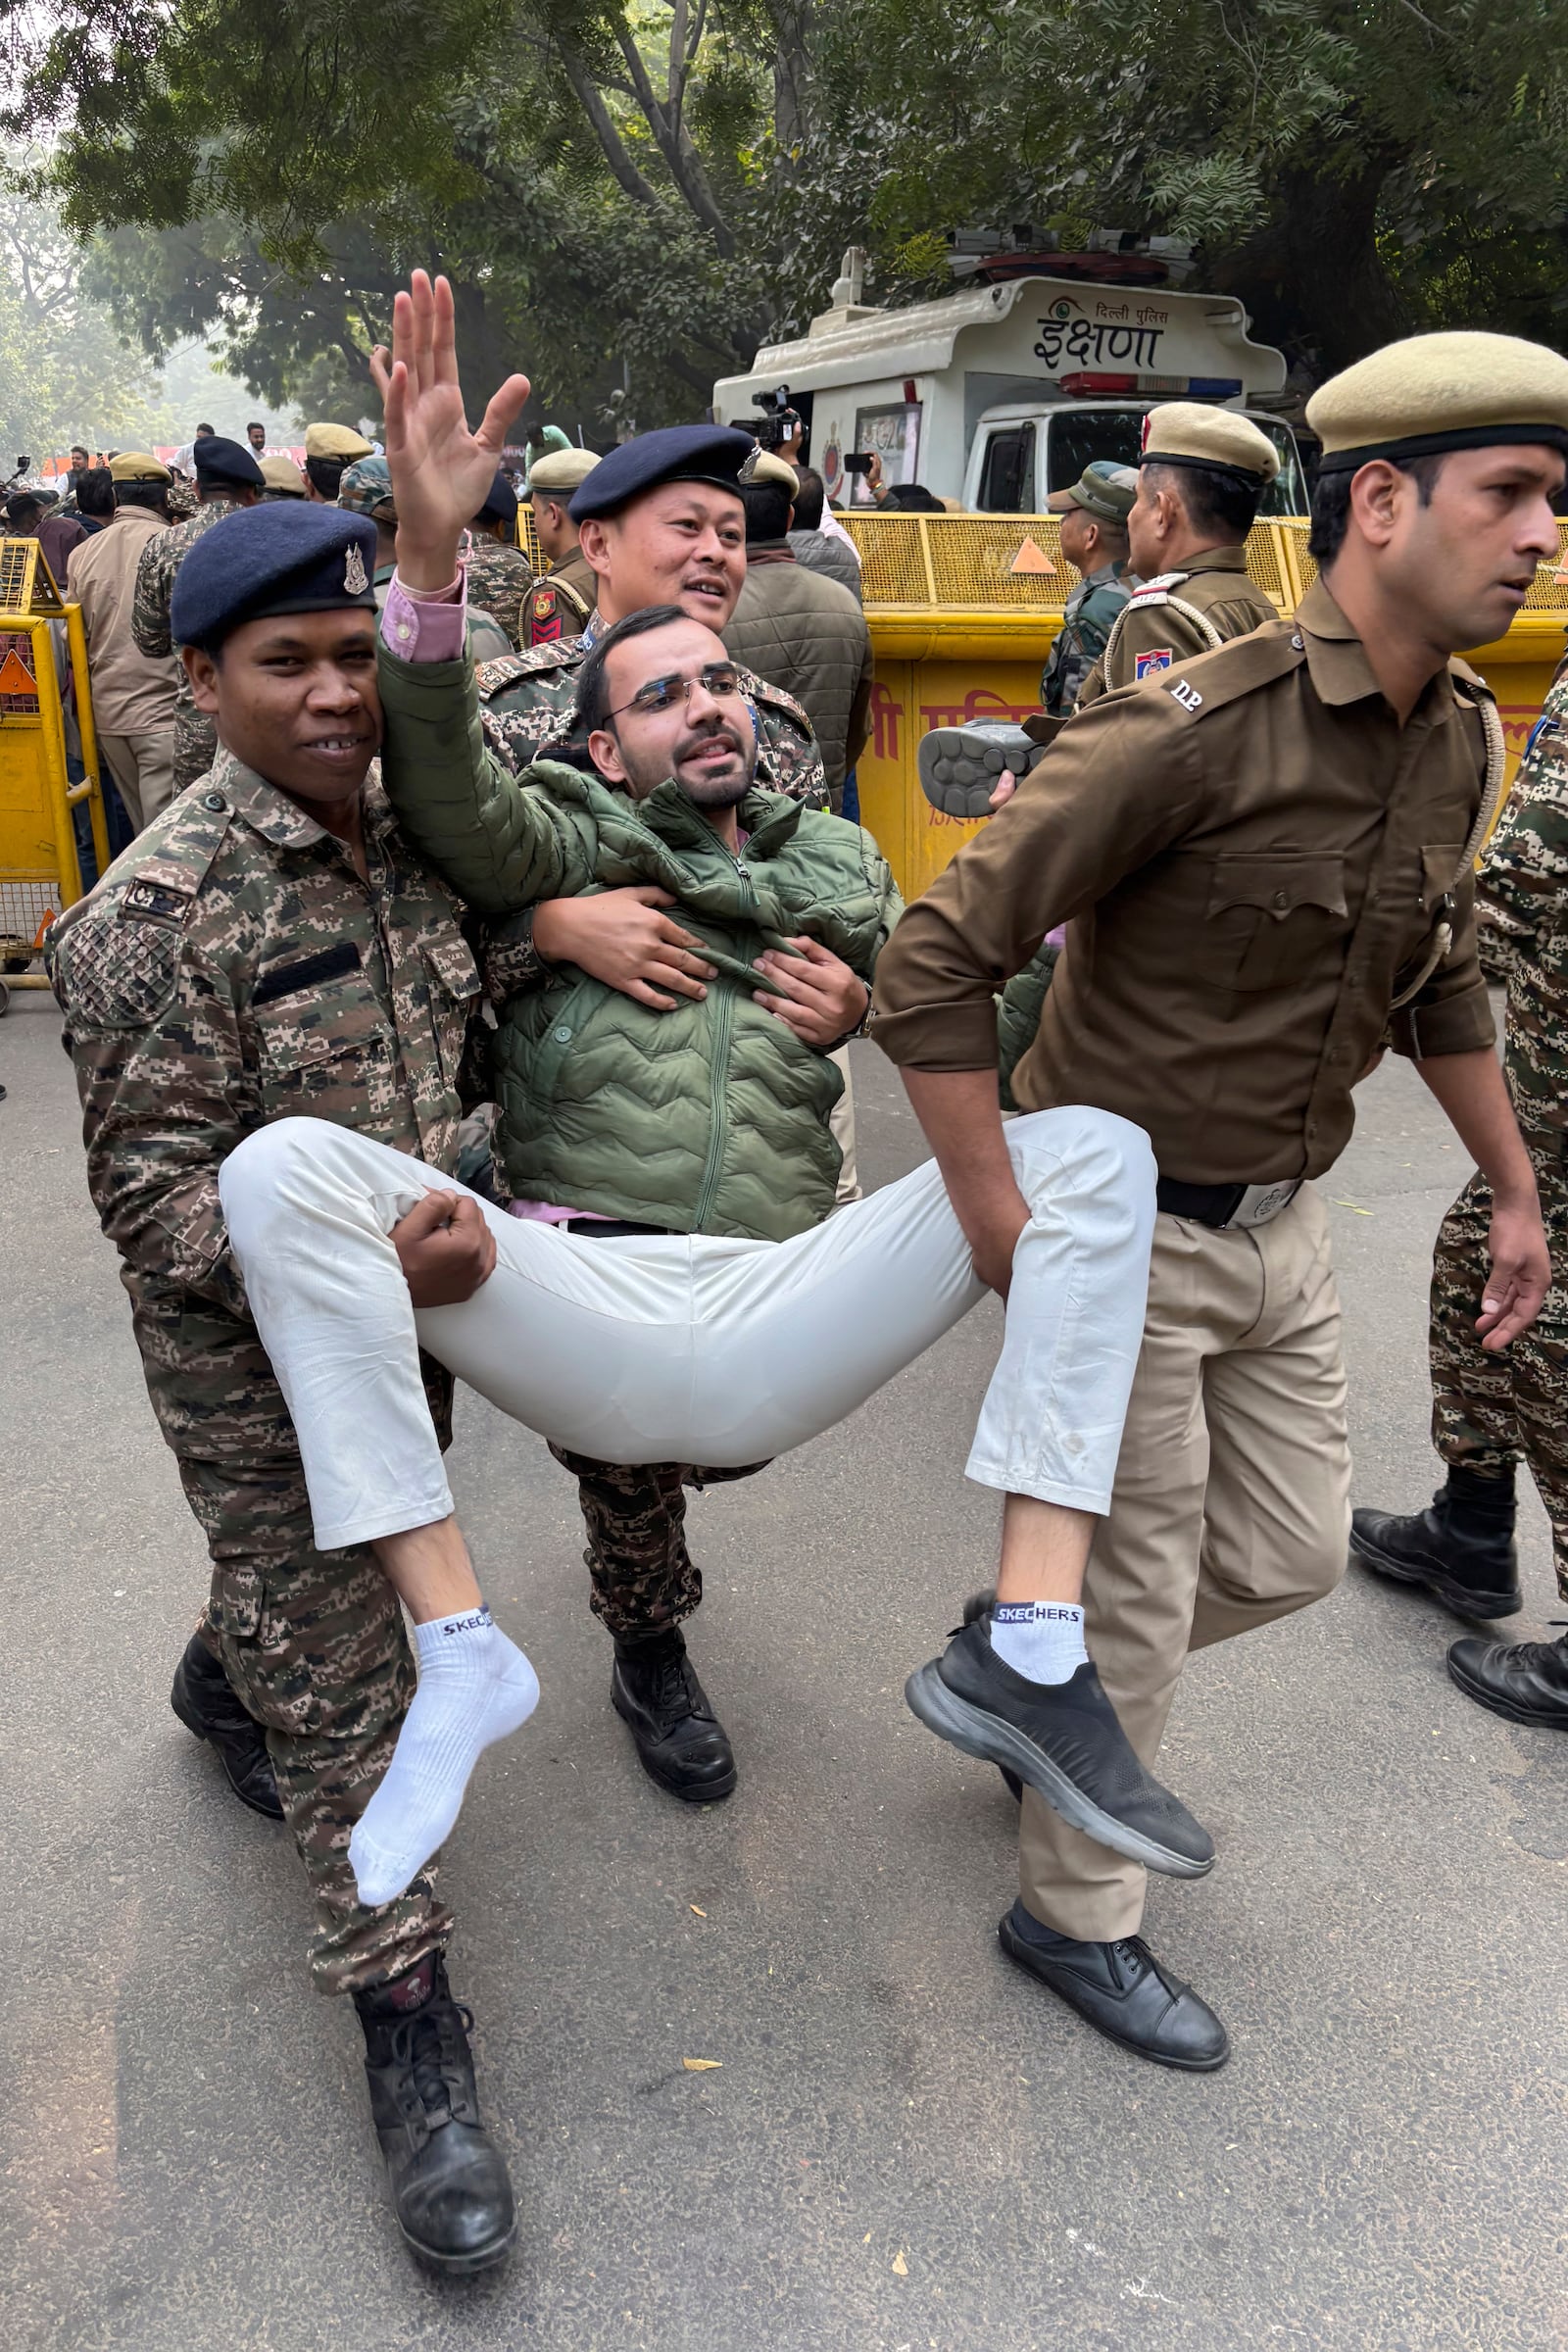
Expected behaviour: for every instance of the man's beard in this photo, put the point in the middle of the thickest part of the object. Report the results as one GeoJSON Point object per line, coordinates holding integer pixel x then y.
{"type": "Point", "coordinates": [721, 791]}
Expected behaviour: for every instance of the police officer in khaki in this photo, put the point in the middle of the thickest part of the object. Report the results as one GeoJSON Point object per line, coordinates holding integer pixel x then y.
{"type": "Point", "coordinates": [1240, 940]}
{"type": "Point", "coordinates": [328, 448]}
{"type": "Point", "coordinates": [562, 597]}
{"type": "Point", "coordinates": [1200, 477]}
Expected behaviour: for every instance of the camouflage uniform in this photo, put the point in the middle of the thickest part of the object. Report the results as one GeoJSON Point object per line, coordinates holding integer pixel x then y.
{"type": "Point", "coordinates": [560, 602]}
{"type": "Point", "coordinates": [500, 583]}
{"type": "Point", "coordinates": [643, 1579]}
{"type": "Point", "coordinates": [195, 735]}
{"type": "Point", "coordinates": [231, 969]}
{"type": "Point", "coordinates": [1085, 624]}
{"type": "Point", "coordinates": [1487, 1411]}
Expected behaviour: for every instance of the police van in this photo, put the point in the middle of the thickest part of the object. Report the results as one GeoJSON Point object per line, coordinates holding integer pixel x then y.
{"type": "Point", "coordinates": [998, 395]}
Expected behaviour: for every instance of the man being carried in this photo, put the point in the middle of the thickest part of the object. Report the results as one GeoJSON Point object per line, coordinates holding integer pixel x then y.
{"type": "Point", "coordinates": [1264, 859]}
{"type": "Point", "coordinates": [669, 1338]}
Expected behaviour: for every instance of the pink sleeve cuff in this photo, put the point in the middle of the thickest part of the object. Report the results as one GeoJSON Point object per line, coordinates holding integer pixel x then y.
{"type": "Point", "coordinates": [425, 627]}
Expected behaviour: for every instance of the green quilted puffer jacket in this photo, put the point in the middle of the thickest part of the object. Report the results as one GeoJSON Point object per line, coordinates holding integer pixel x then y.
{"type": "Point", "coordinates": [712, 1119]}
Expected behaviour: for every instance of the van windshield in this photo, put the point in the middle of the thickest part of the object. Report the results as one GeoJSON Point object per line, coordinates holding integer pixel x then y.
{"type": "Point", "coordinates": [1081, 437]}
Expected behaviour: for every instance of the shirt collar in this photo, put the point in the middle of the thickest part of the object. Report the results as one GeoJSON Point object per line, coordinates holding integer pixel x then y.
{"type": "Point", "coordinates": [1215, 559]}
{"type": "Point", "coordinates": [280, 820]}
{"type": "Point", "coordinates": [1336, 659]}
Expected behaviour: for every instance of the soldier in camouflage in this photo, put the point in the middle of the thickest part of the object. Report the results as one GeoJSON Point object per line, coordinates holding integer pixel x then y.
{"type": "Point", "coordinates": [228, 477]}
{"type": "Point", "coordinates": [499, 575]}
{"type": "Point", "coordinates": [1093, 536]}
{"type": "Point", "coordinates": [1489, 1412]}
{"type": "Point", "coordinates": [271, 944]}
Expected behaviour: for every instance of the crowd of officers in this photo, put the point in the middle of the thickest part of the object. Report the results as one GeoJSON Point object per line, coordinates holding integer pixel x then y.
{"type": "Point", "coordinates": [1259, 834]}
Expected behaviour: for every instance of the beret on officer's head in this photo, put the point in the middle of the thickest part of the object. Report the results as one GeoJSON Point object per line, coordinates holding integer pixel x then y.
{"type": "Point", "coordinates": [217, 460]}
{"type": "Point", "coordinates": [268, 560]}
{"type": "Point", "coordinates": [137, 466]}
{"type": "Point", "coordinates": [714, 454]}
{"type": "Point", "coordinates": [335, 441]}
{"type": "Point", "coordinates": [501, 506]}
{"type": "Point", "coordinates": [1185, 433]}
{"type": "Point", "coordinates": [1104, 490]}
{"type": "Point", "coordinates": [1432, 393]}
{"type": "Point", "coordinates": [365, 488]}
{"type": "Point", "coordinates": [283, 477]}
{"type": "Point", "coordinates": [562, 470]}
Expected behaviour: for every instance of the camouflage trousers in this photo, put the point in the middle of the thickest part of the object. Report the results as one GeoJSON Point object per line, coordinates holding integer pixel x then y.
{"type": "Point", "coordinates": [311, 1641]}
{"type": "Point", "coordinates": [1490, 1411]}
{"type": "Point", "coordinates": [642, 1579]}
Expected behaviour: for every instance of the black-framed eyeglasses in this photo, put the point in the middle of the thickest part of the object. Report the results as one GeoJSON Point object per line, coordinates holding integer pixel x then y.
{"type": "Point", "coordinates": [719, 678]}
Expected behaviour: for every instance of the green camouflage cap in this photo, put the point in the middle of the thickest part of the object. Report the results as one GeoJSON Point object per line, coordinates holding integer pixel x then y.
{"type": "Point", "coordinates": [366, 489]}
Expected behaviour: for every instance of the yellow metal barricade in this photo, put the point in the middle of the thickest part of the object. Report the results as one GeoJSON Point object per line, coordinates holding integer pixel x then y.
{"type": "Point", "coordinates": [963, 609]}
{"type": "Point", "coordinates": [40, 873]}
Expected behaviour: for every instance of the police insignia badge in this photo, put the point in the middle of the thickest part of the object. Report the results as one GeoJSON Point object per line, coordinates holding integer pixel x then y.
{"type": "Point", "coordinates": [1157, 657]}
{"type": "Point", "coordinates": [748, 471]}
{"type": "Point", "coordinates": [356, 579]}
{"type": "Point", "coordinates": [544, 627]}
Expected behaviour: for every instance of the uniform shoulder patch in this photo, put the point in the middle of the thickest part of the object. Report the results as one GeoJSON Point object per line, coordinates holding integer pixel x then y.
{"type": "Point", "coordinates": [1207, 681]}
{"type": "Point", "coordinates": [115, 969]}
{"type": "Point", "coordinates": [1158, 656]}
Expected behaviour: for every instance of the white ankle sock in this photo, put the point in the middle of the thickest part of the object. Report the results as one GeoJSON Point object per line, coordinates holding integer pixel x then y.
{"type": "Point", "coordinates": [1040, 1640]}
{"type": "Point", "coordinates": [475, 1687]}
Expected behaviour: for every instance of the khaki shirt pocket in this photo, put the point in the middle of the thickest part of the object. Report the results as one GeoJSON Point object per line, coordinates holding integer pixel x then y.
{"type": "Point", "coordinates": [1270, 918]}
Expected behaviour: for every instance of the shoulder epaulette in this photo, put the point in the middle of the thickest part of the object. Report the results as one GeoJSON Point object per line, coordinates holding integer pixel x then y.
{"type": "Point", "coordinates": [509, 669]}
{"type": "Point", "coordinates": [1159, 591]}
{"type": "Point", "coordinates": [1239, 667]}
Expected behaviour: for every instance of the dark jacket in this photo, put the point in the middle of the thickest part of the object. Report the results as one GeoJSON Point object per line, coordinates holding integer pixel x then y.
{"type": "Point", "coordinates": [809, 635]}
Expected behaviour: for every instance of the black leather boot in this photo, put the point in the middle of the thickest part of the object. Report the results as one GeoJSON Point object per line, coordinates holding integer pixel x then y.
{"type": "Point", "coordinates": [1461, 1548]}
{"type": "Point", "coordinates": [1121, 1989]}
{"type": "Point", "coordinates": [681, 1742]}
{"type": "Point", "coordinates": [450, 2190]}
{"type": "Point", "coordinates": [1526, 1681]}
{"type": "Point", "coordinates": [204, 1700]}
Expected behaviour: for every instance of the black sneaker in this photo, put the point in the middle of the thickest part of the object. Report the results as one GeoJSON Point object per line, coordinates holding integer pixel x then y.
{"type": "Point", "coordinates": [1122, 1992]}
{"type": "Point", "coordinates": [1470, 1563]}
{"type": "Point", "coordinates": [450, 2190]}
{"type": "Point", "coordinates": [961, 768]}
{"type": "Point", "coordinates": [1525, 1681]}
{"type": "Point", "coordinates": [1065, 1740]}
{"type": "Point", "coordinates": [204, 1700]}
{"type": "Point", "coordinates": [680, 1741]}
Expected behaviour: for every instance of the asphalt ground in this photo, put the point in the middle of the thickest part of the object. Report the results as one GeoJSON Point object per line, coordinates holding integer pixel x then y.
{"type": "Point", "coordinates": [904, 2143]}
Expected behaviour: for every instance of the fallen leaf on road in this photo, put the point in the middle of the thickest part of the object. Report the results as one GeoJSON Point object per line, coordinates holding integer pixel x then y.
{"type": "Point", "coordinates": [901, 2268]}
{"type": "Point", "coordinates": [698, 1908]}
{"type": "Point", "coordinates": [1353, 1205]}
{"type": "Point", "coordinates": [702, 2066]}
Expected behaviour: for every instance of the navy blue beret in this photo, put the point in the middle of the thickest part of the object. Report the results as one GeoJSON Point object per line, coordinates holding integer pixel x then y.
{"type": "Point", "coordinates": [678, 453]}
{"type": "Point", "coordinates": [502, 504]}
{"type": "Point", "coordinates": [219, 461]}
{"type": "Point", "coordinates": [277, 558]}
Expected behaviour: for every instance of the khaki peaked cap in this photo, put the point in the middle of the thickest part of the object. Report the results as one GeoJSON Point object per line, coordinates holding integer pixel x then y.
{"type": "Point", "coordinates": [777, 470]}
{"type": "Point", "coordinates": [1432, 393]}
{"type": "Point", "coordinates": [335, 441]}
{"type": "Point", "coordinates": [562, 470]}
{"type": "Point", "coordinates": [283, 475]}
{"type": "Point", "coordinates": [1187, 433]}
{"type": "Point", "coordinates": [137, 466]}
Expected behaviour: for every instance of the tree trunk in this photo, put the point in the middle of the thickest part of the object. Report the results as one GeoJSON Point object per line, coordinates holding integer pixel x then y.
{"type": "Point", "coordinates": [1313, 279]}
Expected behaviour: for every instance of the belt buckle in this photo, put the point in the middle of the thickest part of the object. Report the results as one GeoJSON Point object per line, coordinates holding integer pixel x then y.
{"type": "Point", "coordinates": [1261, 1202]}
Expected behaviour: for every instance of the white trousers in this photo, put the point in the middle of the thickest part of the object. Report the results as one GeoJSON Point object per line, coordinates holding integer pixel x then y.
{"type": "Point", "coordinates": [659, 1348]}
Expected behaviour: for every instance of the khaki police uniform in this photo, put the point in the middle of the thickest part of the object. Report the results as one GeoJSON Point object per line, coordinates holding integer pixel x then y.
{"type": "Point", "coordinates": [561, 601]}
{"type": "Point", "coordinates": [1178, 615]}
{"type": "Point", "coordinates": [1236, 943]}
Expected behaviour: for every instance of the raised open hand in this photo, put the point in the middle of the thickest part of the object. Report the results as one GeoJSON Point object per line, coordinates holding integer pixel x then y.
{"type": "Point", "coordinates": [441, 471]}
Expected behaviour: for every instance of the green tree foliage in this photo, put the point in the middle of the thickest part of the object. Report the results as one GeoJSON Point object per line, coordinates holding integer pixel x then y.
{"type": "Point", "coordinates": [639, 191]}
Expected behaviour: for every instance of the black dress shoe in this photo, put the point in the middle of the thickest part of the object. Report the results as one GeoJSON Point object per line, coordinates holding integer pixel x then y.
{"type": "Point", "coordinates": [450, 2190]}
{"type": "Point", "coordinates": [1462, 1552]}
{"type": "Point", "coordinates": [1064, 1741]}
{"type": "Point", "coordinates": [1122, 1992]}
{"type": "Point", "coordinates": [681, 1742]}
{"type": "Point", "coordinates": [204, 1700]}
{"type": "Point", "coordinates": [1526, 1681]}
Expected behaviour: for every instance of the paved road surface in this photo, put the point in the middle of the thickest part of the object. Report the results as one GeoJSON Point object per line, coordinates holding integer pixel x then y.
{"type": "Point", "coordinates": [906, 2145]}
